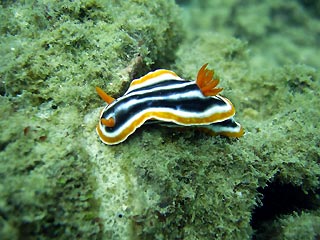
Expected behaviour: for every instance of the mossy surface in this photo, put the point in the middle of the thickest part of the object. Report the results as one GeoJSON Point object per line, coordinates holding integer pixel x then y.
{"type": "Point", "coordinates": [60, 181]}
{"type": "Point", "coordinates": [46, 187]}
{"type": "Point", "coordinates": [304, 225]}
{"type": "Point", "coordinates": [74, 44]}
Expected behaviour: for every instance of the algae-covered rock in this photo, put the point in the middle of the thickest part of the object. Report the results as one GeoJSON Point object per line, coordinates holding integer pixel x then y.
{"type": "Point", "coordinates": [51, 50]}
{"type": "Point", "coordinates": [272, 78]}
{"type": "Point", "coordinates": [60, 181]}
{"type": "Point", "coordinates": [278, 32]}
{"type": "Point", "coordinates": [305, 225]}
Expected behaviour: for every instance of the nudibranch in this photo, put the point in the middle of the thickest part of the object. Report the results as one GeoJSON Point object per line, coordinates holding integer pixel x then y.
{"type": "Point", "coordinates": [162, 96]}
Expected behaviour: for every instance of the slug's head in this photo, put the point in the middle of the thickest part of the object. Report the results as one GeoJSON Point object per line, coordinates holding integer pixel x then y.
{"type": "Point", "coordinates": [108, 120]}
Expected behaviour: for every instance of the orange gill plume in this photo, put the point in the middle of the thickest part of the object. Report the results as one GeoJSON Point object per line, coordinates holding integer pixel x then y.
{"type": "Point", "coordinates": [206, 82]}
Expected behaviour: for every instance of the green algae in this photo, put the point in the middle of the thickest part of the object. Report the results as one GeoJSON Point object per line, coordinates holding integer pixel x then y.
{"type": "Point", "coordinates": [42, 182]}
{"type": "Point", "coordinates": [275, 93]}
{"type": "Point", "coordinates": [72, 44]}
{"type": "Point", "coordinates": [303, 225]}
{"type": "Point", "coordinates": [60, 181]}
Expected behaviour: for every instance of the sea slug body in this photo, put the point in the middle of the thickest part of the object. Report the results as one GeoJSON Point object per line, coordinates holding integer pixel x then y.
{"type": "Point", "coordinates": [162, 96]}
